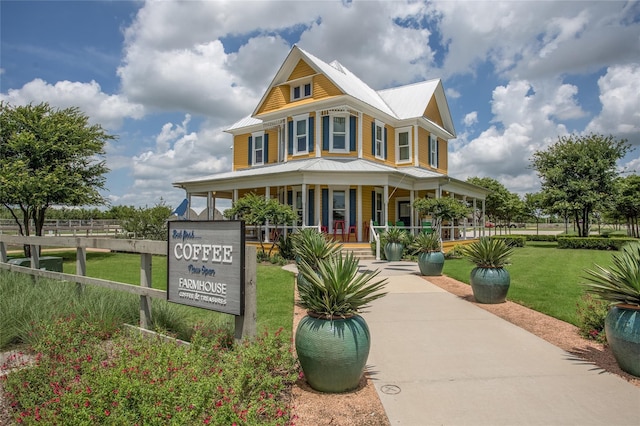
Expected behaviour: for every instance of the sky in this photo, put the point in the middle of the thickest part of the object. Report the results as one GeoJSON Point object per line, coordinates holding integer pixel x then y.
{"type": "Point", "coordinates": [168, 77]}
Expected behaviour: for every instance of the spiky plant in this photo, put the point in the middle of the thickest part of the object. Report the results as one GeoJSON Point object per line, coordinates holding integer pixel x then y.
{"type": "Point", "coordinates": [488, 253]}
{"type": "Point", "coordinates": [336, 289]}
{"type": "Point", "coordinates": [312, 247]}
{"type": "Point", "coordinates": [619, 284]}
{"type": "Point", "coordinates": [395, 235]}
{"type": "Point", "coordinates": [426, 243]}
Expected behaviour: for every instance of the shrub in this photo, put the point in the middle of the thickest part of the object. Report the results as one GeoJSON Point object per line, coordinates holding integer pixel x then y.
{"type": "Point", "coordinates": [285, 246]}
{"type": "Point", "coordinates": [512, 240]}
{"type": "Point", "coordinates": [593, 243]}
{"type": "Point", "coordinates": [455, 253]}
{"type": "Point", "coordinates": [591, 312]}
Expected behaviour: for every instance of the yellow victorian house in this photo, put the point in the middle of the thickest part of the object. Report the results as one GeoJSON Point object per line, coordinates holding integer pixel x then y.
{"type": "Point", "coordinates": [343, 155]}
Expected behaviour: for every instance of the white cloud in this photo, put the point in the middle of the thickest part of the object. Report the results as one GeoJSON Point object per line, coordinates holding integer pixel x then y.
{"type": "Point", "coordinates": [471, 119]}
{"type": "Point", "coordinates": [104, 109]}
{"type": "Point", "coordinates": [620, 98]}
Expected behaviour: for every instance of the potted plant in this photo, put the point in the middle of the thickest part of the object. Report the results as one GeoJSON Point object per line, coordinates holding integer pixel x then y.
{"type": "Point", "coordinates": [333, 340]}
{"type": "Point", "coordinates": [430, 257]}
{"type": "Point", "coordinates": [490, 281]}
{"type": "Point", "coordinates": [395, 239]}
{"type": "Point", "coordinates": [312, 247]}
{"type": "Point", "coordinates": [620, 286]}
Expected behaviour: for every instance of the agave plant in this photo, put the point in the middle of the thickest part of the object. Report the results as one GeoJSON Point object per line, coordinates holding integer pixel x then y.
{"type": "Point", "coordinates": [395, 235]}
{"type": "Point", "coordinates": [488, 253]}
{"type": "Point", "coordinates": [426, 243]}
{"type": "Point", "coordinates": [312, 247]}
{"type": "Point", "coordinates": [336, 289]}
{"type": "Point", "coordinates": [619, 284]}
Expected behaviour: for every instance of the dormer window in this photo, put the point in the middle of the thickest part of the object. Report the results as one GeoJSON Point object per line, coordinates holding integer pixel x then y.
{"type": "Point", "coordinates": [301, 90]}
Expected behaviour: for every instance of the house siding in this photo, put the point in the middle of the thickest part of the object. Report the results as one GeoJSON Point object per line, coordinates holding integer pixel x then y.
{"type": "Point", "coordinates": [241, 151]}
{"type": "Point", "coordinates": [324, 88]}
{"type": "Point", "coordinates": [277, 98]}
{"type": "Point", "coordinates": [301, 70]}
{"type": "Point", "coordinates": [423, 148]}
{"type": "Point", "coordinates": [433, 113]}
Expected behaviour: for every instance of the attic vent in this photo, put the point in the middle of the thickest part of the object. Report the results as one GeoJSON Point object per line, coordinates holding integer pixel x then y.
{"type": "Point", "coordinates": [337, 66]}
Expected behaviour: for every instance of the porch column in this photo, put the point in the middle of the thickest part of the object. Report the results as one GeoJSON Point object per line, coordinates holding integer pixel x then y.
{"type": "Point", "coordinates": [452, 228]}
{"type": "Point", "coordinates": [360, 226]}
{"type": "Point", "coordinates": [475, 217]}
{"type": "Point", "coordinates": [412, 217]}
{"type": "Point", "coordinates": [386, 206]}
{"type": "Point", "coordinates": [286, 140]}
{"type": "Point", "coordinates": [416, 161]}
{"type": "Point", "coordinates": [304, 204]}
{"type": "Point", "coordinates": [189, 206]}
{"type": "Point", "coordinates": [484, 220]}
{"type": "Point", "coordinates": [318, 123]}
{"type": "Point", "coordinates": [317, 204]}
{"type": "Point", "coordinates": [464, 223]}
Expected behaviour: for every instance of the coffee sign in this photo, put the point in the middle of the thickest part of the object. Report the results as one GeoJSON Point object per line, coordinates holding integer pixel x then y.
{"type": "Point", "coordinates": [205, 265]}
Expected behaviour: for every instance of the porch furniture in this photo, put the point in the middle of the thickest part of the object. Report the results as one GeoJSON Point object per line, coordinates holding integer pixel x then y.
{"type": "Point", "coordinates": [352, 230]}
{"type": "Point", "coordinates": [338, 224]}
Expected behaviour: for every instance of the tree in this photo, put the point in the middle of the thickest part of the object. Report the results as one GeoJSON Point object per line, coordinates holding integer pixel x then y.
{"type": "Point", "coordinates": [147, 223]}
{"type": "Point", "coordinates": [578, 174]}
{"type": "Point", "coordinates": [444, 208]}
{"type": "Point", "coordinates": [533, 207]}
{"type": "Point", "coordinates": [256, 210]}
{"type": "Point", "coordinates": [626, 204]}
{"type": "Point", "coordinates": [48, 157]}
{"type": "Point", "coordinates": [495, 203]}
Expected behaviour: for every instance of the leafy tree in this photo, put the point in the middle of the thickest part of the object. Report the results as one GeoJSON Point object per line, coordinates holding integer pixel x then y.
{"type": "Point", "coordinates": [533, 207]}
{"type": "Point", "coordinates": [495, 203]}
{"type": "Point", "coordinates": [146, 223]}
{"type": "Point", "coordinates": [626, 205]}
{"type": "Point", "coordinates": [578, 174]}
{"type": "Point", "coordinates": [256, 210]}
{"type": "Point", "coordinates": [48, 157]}
{"type": "Point", "coordinates": [444, 208]}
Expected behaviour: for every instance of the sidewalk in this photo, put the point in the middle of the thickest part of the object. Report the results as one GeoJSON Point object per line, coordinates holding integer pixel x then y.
{"type": "Point", "coordinates": [439, 360]}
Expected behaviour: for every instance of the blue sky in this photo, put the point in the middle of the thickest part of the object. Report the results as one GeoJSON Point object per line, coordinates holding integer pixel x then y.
{"type": "Point", "coordinates": [168, 77]}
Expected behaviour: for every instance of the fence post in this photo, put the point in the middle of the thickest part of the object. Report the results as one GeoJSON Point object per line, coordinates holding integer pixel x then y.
{"type": "Point", "coordinates": [3, 252]}
{"type": "Point", "coordinates": [35, 256]}
{"type": "Point", "coordinates": [145, 281]}
{"type": "Point", "coordinates": [81, 266]}
{"type": "Point", "coordinates": [246, 324]}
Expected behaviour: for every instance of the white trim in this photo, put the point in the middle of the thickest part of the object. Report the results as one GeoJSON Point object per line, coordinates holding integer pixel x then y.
{"type": "Point", "coordinates": [256, 135]}
{"type": "Point", "coordinates": [433, 142]}
{"type": "Point", "coordinates": [360, 117]}
{"type": "Point", "coordinates": [347, 140]}
{"type": "Point", "coordinates": [379, 155]}
{"type": "Point", "coordinates": [296, 119]}
{"type": "Point", "coordinates": [416, 160]}
{"type": "Point", "coordinates": [409, 145]}
{"type": "Point", "coordinates": [344, 189]}
{"type": "Point", "coordinates": [301, 85]}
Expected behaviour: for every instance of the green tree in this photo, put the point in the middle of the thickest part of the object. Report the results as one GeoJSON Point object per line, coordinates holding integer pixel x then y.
{"type": "Point", "coordinates": [626, 205]}
{"type": "Point", "coordinates": [147, 223]}
{"type": "Point", "coordinates": [48, 157]}
{"type": "Point", "coordinates": [496, 201]}
{"type": "Point", "coordinates": [444, 208]}
{"type": "Point", "coordinates": [256, 210]}
{"type": "Point", "coordinates": [533, 207]}
{"type": "Point", "coordinates": [578, 173]}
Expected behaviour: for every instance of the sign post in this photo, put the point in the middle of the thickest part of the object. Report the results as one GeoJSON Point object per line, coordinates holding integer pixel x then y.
{"type": "Point", "coordinates": [207, 268]}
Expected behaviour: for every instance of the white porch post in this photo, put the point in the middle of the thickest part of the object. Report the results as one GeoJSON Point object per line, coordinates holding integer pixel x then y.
{"type": "Point", "coordinates": [386, 206]}
{"type": "Point", "coordinates": [189, 206]}
{"type": "Point", "coordinates": [318, 124]}
{"type": "Point", "coordinates": [304, 205]}
{"type": "Point", "coordinates": [416, 161]}
{"type": "Point", "coordinates": [286, 139]}
{"type": "Point", "coordinates": [267, 195]}
{"type": "Point", "coordinates": [318, 205]}
{"type": "Point", "coordinates": [412, 217]}
{"type": "Point", "coordinates": [484, 220]}
{"type": "Point", "coordinates": [359, 217]}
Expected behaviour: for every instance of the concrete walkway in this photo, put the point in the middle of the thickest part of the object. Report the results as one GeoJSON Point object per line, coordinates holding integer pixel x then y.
{"type": "Point", "coordinates": [439, 360]}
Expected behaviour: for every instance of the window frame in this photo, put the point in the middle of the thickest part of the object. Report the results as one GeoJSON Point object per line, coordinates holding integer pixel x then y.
{"type": "Point", "coordinates": [255, 150]}
{"type": "Point", "coordinates": [379, 151]}
{"type": "Point", "coordinates": [347, 133]}
{"type": "Point", "coordinates": [301, 86]}
{"type": "Point", "coordinates": [399, 131]}
{"type": "Point", "coordinates": [433, 151]}
{"type": "Point", "coordinates": [296, 136]}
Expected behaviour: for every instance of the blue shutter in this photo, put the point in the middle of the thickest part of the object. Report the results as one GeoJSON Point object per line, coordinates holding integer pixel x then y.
{"type": "Point", "coordinates": [289, 198]}
{"type": "Point", "coordinates": [373, 138]}
{"type": "Point", "coordinates": [437, 151]}
{"type": "Point", "coordinates": [265, 149]}
{"type": "Point", "coordinates": [325, 207]}
{"type": "Point", "coordinates": [290, 138]}
{"type": "Point", "coordinates": [325, 133]}
{"type": "Point", "coordinates": [352, 206]}
{"type": "Point", "coordinates": [310, 147]}
{"type": "Point", "coordinates": [385, 143]}
{"type": "Point", "coordinates": [311, 207]}
{"type": "Point", "coordinates": [250, 150]}
{"type": "Point", "coordinates": [352, 133]}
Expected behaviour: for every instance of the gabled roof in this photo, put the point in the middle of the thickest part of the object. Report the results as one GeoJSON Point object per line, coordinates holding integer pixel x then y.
{"type": "Point", "coordinates": [403, 102]}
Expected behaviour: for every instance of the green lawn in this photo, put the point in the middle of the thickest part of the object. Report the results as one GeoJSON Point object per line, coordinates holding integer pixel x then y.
{"type": "Point", "coordinates": [543, 277]}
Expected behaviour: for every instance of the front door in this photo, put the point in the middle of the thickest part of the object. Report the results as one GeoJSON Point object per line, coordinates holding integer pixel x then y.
{"type": "Point", "coordinates": [404, 212]}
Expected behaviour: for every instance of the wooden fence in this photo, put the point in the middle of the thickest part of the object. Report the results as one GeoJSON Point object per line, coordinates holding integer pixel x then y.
{"type": "Point", "coordinates": [245, 326]}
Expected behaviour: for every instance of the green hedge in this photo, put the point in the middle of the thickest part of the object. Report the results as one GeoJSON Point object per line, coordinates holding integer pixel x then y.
{"type": "Point", "coordinates": [593, 243]}
{"type": "Point", "coordinates": [512, 240]}
{"type": "Point", "coordinates": [542, 237]}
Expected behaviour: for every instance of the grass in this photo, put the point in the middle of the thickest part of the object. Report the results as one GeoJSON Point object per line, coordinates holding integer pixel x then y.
{"type": "Point", "coordinates": [543, 277]}
{"type": "Point", "coordinates": [24, 303]}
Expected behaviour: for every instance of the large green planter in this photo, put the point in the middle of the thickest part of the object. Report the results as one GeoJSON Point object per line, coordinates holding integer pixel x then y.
{"type": "Point", "coordinates": [431, 263]}
{"type": "Point", "coordinates": [622, 328]}
{"type": "Point", "coordinates": [333, 353]}
{"type": "Point", "coordinates": [490, 285]}
{"type": "Point", "coordinates": [393, 251]}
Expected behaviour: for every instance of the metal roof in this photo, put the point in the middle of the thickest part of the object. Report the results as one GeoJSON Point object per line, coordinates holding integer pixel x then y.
{"type": "Point", "coordinates": [410, 101]}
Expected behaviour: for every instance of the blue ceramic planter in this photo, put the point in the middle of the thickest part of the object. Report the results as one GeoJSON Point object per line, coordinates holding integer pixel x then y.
{"type": "Point", "coordinates": [333, 353]}
{"type": "Point", "coordinates": [431, 263]}
{"type": "Point", "coordinates": [393, 251]}
{"type": "Point", "coordinates": [490, 285]}
{"type": "Point", "coordinates": [622, 327]}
